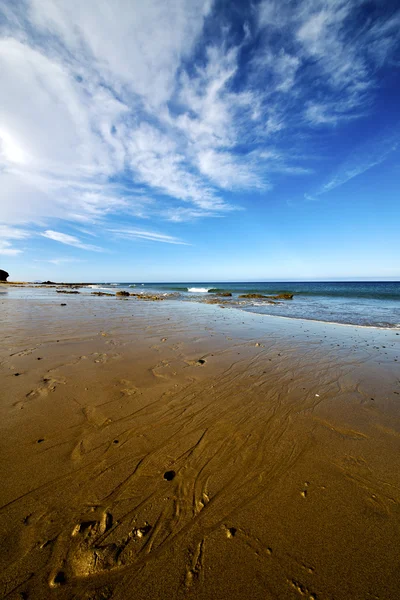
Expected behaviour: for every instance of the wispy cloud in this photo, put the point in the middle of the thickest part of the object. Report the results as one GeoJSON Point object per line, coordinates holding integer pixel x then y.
{"type": "Point", "coordinates": [363, 158]}
{"type": "Point", "coordinates": [180, 214]}
{"type": "Point", "coordinates": [7, 249]}
{"type": "Point", "coordinates": [8, 233]}
{"type": "Point", "coordinates": [13, 233]}
{"type": "Point", "coordinates": [69, 240]}
{"type": "Point", "coordinates": [151, 236]}
{"type": "Point", "coordinates": [60, 261]}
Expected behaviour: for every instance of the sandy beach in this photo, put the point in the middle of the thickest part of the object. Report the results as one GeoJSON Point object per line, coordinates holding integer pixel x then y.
{"type": "Point", "coordinates": [178, 450]}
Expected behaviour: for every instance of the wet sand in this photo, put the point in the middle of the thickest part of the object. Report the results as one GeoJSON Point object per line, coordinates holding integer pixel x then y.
{"type": "Point", "coordinates": [178, 450]}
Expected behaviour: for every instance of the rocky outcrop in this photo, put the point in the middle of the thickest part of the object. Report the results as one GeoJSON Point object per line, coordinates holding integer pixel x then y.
{"type": "Point", "coordinates": [223, 294]}
{"type": "Point", "coordinates": [216, 301]}
{"type": "Point", "coordinates": [150, 297]}
{"type": "Point", "coordinates": [122, 293]}
{"type": "Point", "coordinates": [48, 283]}
{"type": "Point", "coordinates": [282, 296]}
{"type": "Point", "coordinates": [252, 296]}
{"type": "Point", "coordinates": [3, 275]}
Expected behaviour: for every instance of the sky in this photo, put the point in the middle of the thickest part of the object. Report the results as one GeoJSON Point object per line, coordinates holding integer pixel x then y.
{"type": "Point", "coordinates": [199, 140]}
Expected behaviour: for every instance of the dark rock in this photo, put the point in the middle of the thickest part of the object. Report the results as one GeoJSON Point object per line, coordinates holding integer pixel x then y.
{"type": "Point", "coordinates": [67, 292]}
{"type": "Point", "coordinates": [3, 275]}
{"type": "Point", "coordinates": [150, 297]}
{"type": "Point", "coordinates": [252, 296]}
{"type": "Point", "coordinates": [101, 294]}
{"type": "Point", "coordinates": [48, 283]}
{"type": "Point", "coordinates": [215, 301]}
{"type": "Point", "coordinates": [282, 296]}
{"type": "Point", "coordinates": [122, 293]}
{"type": "Point", "coordinates": [224, 294]}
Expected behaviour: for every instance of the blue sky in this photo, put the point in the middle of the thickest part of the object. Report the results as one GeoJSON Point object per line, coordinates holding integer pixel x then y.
{"type": "Point", "coordinates": [199, 140]}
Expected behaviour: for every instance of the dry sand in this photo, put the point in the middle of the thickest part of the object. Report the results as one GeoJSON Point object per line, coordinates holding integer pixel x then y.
{"type": "Point", "coordinates": [160, 451]}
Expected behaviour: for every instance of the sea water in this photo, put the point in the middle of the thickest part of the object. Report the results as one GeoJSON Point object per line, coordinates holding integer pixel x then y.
{"type": "Point", "coordinates": [357, 303]}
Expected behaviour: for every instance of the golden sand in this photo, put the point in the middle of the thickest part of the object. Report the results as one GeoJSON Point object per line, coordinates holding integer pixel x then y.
{"type": "Point", "coordinates": [159, 451]}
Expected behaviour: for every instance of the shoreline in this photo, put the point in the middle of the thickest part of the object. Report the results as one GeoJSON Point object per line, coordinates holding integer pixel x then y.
{"type": "Point", "coordinates": [202, 299]}
{"type": "Point", "coordinates": [394, 327]}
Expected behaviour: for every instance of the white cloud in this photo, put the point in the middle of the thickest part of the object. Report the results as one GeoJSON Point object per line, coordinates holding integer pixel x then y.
{"type": "Point", "coordinates": [339, 51]}
{"type": "Point", "coordinates": [131, 233]}
{"type": "Point", "coordinates": [107, 71]}
{"type": "Point", "coordinates": [181, 214]}
{"type": "Point", "coordinates": [155, 159]}
{"type": "Point", "coordinates": [11, 233]}
{"type": "Point", "coordinates": [281, 67]}
{"type": "Point", "coordinates": [330, 113]}
{"type": "Point", "coordinates": [230, 172]}
{"type": "Point", "coordinates": [135, 44]}
{"type": "Point", "coordinates": [6, 248]}
{"type": "Point", "coordinates": [62, 261]}
{"type": "Point", "coordinates": [70, 240]}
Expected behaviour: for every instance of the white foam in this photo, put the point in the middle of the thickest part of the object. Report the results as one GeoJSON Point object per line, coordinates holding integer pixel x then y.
{"type": "Point", "coordinates": [200, 290]}
{"type": "Point", "coordinates": [97, 287]}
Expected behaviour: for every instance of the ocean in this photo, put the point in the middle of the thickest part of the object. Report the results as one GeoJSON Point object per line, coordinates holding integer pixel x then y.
{"type": "Point", "coordinates": [373, 304]}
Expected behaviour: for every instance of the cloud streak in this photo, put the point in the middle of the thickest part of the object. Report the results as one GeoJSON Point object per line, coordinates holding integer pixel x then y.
{"type": "Point", "coordinates": [140, 234]}
{"type": "Point", "coordinates": [8, 233]}
{"type": "Point", "coordinates": [362, 159]}
{"type": "Point", "coordinates": [69, 240]}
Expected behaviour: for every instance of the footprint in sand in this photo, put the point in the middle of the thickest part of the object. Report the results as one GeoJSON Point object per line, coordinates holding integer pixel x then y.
{"type": "Point", "coordinates": [25, 352]}
{"type": "Point", "coordinates": [48, 385]}
{"type": "Point", "coordinates": [195, 570]}
{"type": "Point", "coordinates": [129, 388]}
{"type": "Point", "coordinates": [95, 417]}
{"type": "Point", "coordinates": [89, 553]}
